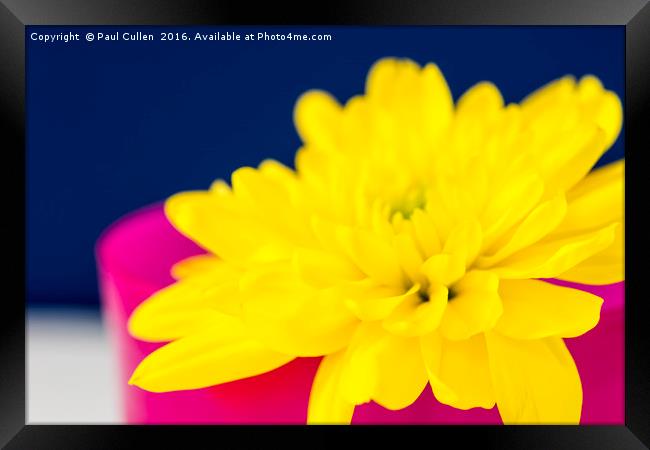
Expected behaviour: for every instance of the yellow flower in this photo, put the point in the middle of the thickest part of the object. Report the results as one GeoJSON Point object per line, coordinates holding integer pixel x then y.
{"type": "Point", "coordinates": [406, 248]}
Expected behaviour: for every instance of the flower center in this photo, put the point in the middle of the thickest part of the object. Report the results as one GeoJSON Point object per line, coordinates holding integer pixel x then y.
{"type": "Point", "coordinates": [407, 204]}
{"type": "Point", "coordinates": [424, 295]}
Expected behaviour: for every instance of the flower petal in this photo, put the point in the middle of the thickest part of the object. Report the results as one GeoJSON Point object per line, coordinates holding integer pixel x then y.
{"type": "Point", "coordinates": [425, 232]}
{"type": "Point", "coordinates": [595, 202]}
{"type": "Point", "coordinates": [268, 194]}
{"type": "Point", "coordinates": [431, 348]}
{"type": "Point", "coordinates": [317, 116]}
{"type": "Point", "coordinates": [360, 370]}
{"type": "Point", "coordinates": [605, 267]}
{"type": "Point", "coordinates": [458, 371]}
{"type": "Point", "coordinates": [214, 221]}
{"type": "Point", "coordinates": [465, 240]}
{"type": "Point", "coordinates": [211, 357]}
{"type": "Point", "coordinates": [570, 127]}
{"type": "Point", "coordinates": [604, 180]}
{"type": "Point", "coordinates": [549, 258]}
{"type": "Point", "coordinates": [479, 101]}
{"type": "Point", "coordinates": [540, 222]}
{"type": "Point", "coordinates": [369, 301]}
{"type": "Point", "coordinates": [275, 305]}
{"type": "Point", "coordinates": [413, 317]}
{"type": "Point", "coordinates": [535, 381]}
{"type": "Point", "coordinates": [444, 269]}
{"type": "Point", "coordinates": [604, 106]}
{"type": "Point", "coordinates": [401, 373]}
{"type": "Point", "coordinates": [326, 405]}
{"type": "Point", "coordinates": [195, 264]}
{"type": "Point", "coordinates": [321, 268]}
{"type": "Point", "coordinates": [374, 256]}
{"type": "Point", "coordinates": [181, 309]}
{"type": "Point", "coordinates": [409, 256]}
{"type": "Point", "coordinates": [535, 309]}
{"type": "Point", "coordinates": [437, 102]}
{"type": "Point", "coordinates": [387, 77]}
{"type": "Point", "coordinates": [381, 367]}
{"type": "Point", "coordinates": [588, 146]}
{"type": "Point", "coordinates": [511, 201]}
{"type": "Point", "coordinates": [475, 307]}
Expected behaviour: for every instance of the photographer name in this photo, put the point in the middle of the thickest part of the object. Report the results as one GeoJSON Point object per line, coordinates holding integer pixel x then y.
{"type": "Point", "coordinates": [117, 36]}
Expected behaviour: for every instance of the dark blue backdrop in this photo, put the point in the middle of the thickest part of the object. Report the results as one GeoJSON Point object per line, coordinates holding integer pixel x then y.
{"type": "Point", "coordinates": [113, 126]}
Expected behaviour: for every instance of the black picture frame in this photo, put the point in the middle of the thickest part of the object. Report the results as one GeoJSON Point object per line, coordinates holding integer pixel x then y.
{"type": "Point", "coordinates": [634, 15]}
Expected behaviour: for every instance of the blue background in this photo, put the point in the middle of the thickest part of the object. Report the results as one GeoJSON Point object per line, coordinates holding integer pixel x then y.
{"type": "Point", "coordinates": [112, 126]}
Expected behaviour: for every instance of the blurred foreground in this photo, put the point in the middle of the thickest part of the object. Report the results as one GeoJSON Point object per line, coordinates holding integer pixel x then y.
{"type": "Point", "coordinates": [71, 375]}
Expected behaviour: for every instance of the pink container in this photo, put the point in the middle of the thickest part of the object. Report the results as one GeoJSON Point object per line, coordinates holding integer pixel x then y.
{"type": "Point", "coordinates": [134, 258]}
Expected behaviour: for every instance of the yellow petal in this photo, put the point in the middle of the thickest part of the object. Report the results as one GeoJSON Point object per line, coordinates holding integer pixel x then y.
{"type": "Point", "coordinates": [540, 222]}
{"type": "Point", "coordinates": [551, 108]}
{"type": "Point", "coordinates": [179, 310]}
{"type": "Point", "coordinates": [275, 306]}
{"type": "Point", "coordinates": [556, 92]}
{"type": "Point", "coordinates": [195, 264]}
{"type": "Point", "coordinates": [326, 233]}
{"type": "Point", "coordinates": [360, 370]}
{"type": "Point", "coordinates": [205, 359]}
{"type": "Point", "coordinates": [385, 80]}
{"type": "Point", "coordinates": [589, 88]}
{"type": "Point", "coordinates": [401, 373]}
{"type": "Point", "coordinates": [604, 106]}
{"type": "Point", "coordinates": [535, 309]}
{"type": "Point", "coordinates": [381, 77]}
{"type": "Point", "coordinates": [409, 256]}
{"type": "Point", "coordinates": [510, 202]}
{"type": "Point", "coordinates": [477, 113]}
{"type": "Point", "coordinates": [436, 222]}
{"type": "Point", "coordinates": [437, 102]}
{"type": "Point", "coordinates": [585, 147]}
{"type": "Point", "coordinates": [415, 317]}
{"type": "Point", "coordinates": [535, 381]}
{"type": "Point", "coordinates": [476, 117]}
{"type": "Point", "coordinates": [459, 372]}
{"type": "Point", "coordinates": [369, 302]}
{"type": "Point", "coordinates": [322, 268]}
{"type": "Point", "coordinates": [605, 267]}
{"type": "Point", "coordinates": [474, 307]}
{"type": "Point", "coordinates": [326, 405]}
{"type": "Point", "coordinates": [610, 176]}
{"type": "Point", "coordinates": [572, 126]}
{"type": "Point", "coordinates": [596, 201]}
{"type": "Point", "coordinates": [372, 255]}
{"type": "Point", "coordinates": [317, 117]}
{"type": "Point", "coordinates": [425, 232]}
{"type": "Point", "coordinates": [500, 144]}
{"type": "Point", "coordinates": [481, 100]}
{"type": "Point", "coordinates": [267, 194]}
{"type": "Point", "coordinates": [381, 367]}
{"type": "Point", "coordinates": [444, 269]}
{"type": "Point", "coordinates": [214, 222]}
{"type": "Point", "coordinates": [411, 108]}
{"type": "Point", "coordinates": [465, 240]}
{"type": "Point", "coordinates": [548, 259]}
{"type": "Point", "coordinates": [431, 348]}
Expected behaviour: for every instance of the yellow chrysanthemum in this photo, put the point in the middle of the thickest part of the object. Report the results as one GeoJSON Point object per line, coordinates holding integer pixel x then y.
{"type": "Point", "coordinates": [406, 248]}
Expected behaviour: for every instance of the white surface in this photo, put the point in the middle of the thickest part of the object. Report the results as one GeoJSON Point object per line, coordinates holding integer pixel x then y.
{"type": "Point", "coordinates": [70, 369]}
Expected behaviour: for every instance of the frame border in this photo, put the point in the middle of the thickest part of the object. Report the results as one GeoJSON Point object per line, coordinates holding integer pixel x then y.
{"type": "Point", "coordinates": [15, 15]}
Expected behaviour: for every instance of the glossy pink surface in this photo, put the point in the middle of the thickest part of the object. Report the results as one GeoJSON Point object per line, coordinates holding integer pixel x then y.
{"type": "Point", "coordinates": [134, 257]}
